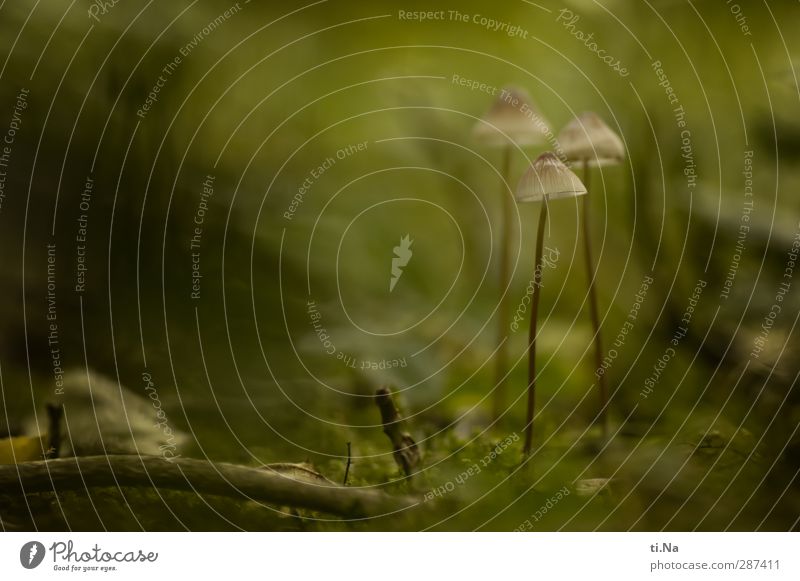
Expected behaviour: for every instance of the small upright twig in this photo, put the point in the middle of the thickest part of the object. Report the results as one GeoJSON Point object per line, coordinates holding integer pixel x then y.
{"type": "Point", "coordinates": [406, 453]}
{"type": "Point", "coordinates": [347, 468]}
{"type": "Point", "coordinates": [54, 415]}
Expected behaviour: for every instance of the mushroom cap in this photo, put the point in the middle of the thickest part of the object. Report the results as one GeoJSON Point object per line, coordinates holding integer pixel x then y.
{"type": "Point", "coordinates": [512, 116]}
{"type": "Point", "coordinates": [588, 138]}
{"type": "Point", "coordinates": [548, 176]}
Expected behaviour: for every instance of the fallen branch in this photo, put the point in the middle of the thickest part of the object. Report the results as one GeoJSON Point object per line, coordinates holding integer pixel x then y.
{"type": "Point", "coordinates": [406, 453]}
{"type": "Point", "coordinates": [197, 477]}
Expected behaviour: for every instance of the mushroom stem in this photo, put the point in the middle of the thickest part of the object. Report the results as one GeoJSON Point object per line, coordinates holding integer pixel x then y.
{"type": "Point", "coordinates": [501, 360]}
{"type": "Point", "coordinates": [593, 310]}
{"type": "Point", "coordinates": [537, 279]}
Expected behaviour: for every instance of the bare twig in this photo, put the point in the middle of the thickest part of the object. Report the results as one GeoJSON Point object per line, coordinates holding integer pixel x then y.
{"type": "Point", "coordinates": [197, 477]}
{"type": "Point", "coordinates": [347, 468]}
{"type": "Point", "coordinates": [54, 415]}
{"type": "Point", "coordinates": [406, 453]}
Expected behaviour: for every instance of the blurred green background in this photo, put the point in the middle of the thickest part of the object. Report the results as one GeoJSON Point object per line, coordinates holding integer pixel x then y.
{"type": "Point", "coordinates": [274, 90]}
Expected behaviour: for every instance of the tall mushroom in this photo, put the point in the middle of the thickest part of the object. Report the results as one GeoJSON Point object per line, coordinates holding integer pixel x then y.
{"type": "Point", "coordinates": [589, 141]}
{"type": "Point", "coordinates": [546, 179]}
{"type": "Point", "coordinates": [512, 121]}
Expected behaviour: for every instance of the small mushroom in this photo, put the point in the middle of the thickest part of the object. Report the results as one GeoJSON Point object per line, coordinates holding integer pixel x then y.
{"type": "Point", "coordinates": [547, 179]}
{"type": "Point", "coordinates": [512, 120]}
{"type": "Point", "coordinates": [587, 140]}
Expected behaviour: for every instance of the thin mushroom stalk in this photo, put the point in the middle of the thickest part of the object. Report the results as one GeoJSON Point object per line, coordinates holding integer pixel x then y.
{"type": "Point", "coordinates": [501, 360]}
{"type": "Point", "coordinates": [547, 179]}
{"type": "Point", "coordinates": [537, 283]}
{"type": "Point", "coordinates": [512, 121]}
{"type": "Point", "coordinates": [589, 141]}
{"type": "Point", "coordinates": [593, 308]}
